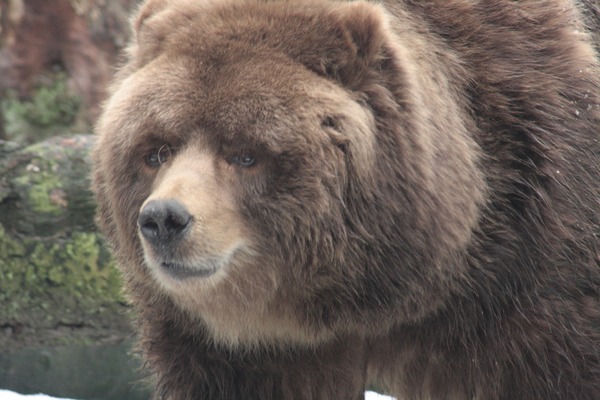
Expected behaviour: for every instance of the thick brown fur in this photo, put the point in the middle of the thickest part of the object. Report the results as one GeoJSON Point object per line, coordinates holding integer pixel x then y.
{"type": "Point", "coordinates": [404, 195]}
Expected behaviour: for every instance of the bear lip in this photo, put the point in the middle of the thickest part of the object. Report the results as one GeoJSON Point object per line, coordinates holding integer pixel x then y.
{"type": "Point", "coordinates": [181, 271]}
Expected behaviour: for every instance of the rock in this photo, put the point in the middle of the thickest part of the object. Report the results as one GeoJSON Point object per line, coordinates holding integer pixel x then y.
{"type": "Point", "coordinates": [58, 284]}
{"type": "Point", "coordinates": [77, 372]}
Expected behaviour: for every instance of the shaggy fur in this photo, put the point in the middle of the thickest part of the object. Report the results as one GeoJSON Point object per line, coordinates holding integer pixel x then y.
{"type": "Point", "coordinates": [307, 198]}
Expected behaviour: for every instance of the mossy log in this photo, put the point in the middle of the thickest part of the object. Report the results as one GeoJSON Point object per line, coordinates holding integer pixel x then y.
{"type": "Point", "coordinates": [58, 284]}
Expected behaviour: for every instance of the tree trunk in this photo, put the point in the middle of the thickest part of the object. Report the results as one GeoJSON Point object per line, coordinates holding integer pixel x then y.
{"type": "Point", "coordinates": [80, 37]}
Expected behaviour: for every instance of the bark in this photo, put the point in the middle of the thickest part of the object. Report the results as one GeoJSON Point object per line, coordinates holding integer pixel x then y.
{"type": "Point", "coordinates": [81, 37]}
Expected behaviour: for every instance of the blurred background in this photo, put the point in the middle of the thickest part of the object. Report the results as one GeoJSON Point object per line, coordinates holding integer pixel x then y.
{"type": "Point", "coordinates": [64, 323]}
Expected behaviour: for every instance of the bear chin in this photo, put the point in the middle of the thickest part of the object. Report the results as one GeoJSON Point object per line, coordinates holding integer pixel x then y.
{"type": "Point", "coordinates": [182, 272]}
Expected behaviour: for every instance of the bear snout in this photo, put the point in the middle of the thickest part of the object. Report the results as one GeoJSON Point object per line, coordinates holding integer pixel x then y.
{"type": "Point", "coordinates": [164, 223]}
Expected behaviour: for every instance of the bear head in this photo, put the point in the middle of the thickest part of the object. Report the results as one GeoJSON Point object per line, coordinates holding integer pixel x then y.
{"type": "Point", "coordinates": [282, 172]}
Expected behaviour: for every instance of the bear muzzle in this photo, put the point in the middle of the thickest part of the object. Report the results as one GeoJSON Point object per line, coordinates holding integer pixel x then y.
{"type": "Point", "coordinates": [164, 224]}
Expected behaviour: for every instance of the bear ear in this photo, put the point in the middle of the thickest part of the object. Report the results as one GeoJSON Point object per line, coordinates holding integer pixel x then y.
{"type": "Point", "coordinates": [149, 29]}
{"type": "Point", "coordinates": [153, 23]}
{"type": "Point", "coordinates": [363, 27]}
{"type": "Point", "coordinates": [155, 15]}
{"type": "Point", "coordinates": [145, 11]}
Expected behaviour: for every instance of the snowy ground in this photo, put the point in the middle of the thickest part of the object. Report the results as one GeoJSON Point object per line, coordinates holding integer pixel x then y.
{"type": "Point", "coordinates": [375, 396]}
{"type": "Point", "coordinates": [6, 395]}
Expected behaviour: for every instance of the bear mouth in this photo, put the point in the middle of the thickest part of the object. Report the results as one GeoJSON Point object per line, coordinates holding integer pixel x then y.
{"type": "Point", "coordinates": [181, 271]}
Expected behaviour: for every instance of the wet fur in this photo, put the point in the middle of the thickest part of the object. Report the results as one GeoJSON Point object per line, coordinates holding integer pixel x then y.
{"type": "Point", "coordinates": [435, 235]}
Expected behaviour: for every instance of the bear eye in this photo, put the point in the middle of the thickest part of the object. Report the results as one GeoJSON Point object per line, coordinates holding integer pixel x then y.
{"type": "Point", "coordinates": [158, 157]}
{"type": "Point", "coordinates": [343, 147]}
{"type": "Point", "coordinates": [329, 122]}
{"type": "Point", "coordinates": [243, 160]}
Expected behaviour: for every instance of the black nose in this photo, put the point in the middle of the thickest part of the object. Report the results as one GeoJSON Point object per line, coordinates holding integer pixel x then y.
{"type": "Point", "coordinates": [164, 221]}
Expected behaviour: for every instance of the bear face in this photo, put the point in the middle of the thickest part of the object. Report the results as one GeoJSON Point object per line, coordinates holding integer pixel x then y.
{"type": "Point", "coordinates": [273, 150]}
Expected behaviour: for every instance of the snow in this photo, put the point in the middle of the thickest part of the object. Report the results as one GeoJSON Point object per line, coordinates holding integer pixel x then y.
{"type": "Point", "coordinates": [6, 395]}
{"type": "Point", "coordinates": [376, 396]}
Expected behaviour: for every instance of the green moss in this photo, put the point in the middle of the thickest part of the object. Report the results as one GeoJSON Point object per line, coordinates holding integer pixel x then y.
{"type": "Point", "coordinates": [9, 248]}
{"type": "Point", "coordinates": [68, 276]}
{"type": "Point", "coordinates": [50, 109]}
{"type": "Point", "coordinates": [48, 188]}
{"type": "Point", "coordinates": [57, 279]}
{"type": "Point", "coordinates": [39, 188]}
{"type": "Point", "coordinates": [52, 105]}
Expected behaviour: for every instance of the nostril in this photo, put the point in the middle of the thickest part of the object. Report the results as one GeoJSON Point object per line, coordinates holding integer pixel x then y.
{"type": "Point", "coordinates": [149, 229]}
{"type": "Point", "coordinates": [163, 220]}
{"type": "Point", "coordinates": [177, 217]}
{"type": "Point", "coordinates": [177, 221]}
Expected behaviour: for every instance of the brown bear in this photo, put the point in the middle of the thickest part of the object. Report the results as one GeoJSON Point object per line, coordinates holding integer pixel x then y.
{"type": "Point", "coordinates": [308, 198]}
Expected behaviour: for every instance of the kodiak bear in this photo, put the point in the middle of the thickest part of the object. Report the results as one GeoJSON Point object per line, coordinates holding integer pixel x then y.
{"type": "Point", "coordinates": [308, 198]}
